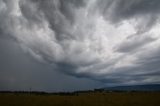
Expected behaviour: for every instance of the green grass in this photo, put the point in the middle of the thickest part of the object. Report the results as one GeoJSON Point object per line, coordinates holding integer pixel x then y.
{"type": "Point", "coordinates": [83, 99]}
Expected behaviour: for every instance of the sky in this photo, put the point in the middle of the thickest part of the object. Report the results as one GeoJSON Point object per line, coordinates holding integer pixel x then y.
{"type": "Point", "coordinates": [67, 45]}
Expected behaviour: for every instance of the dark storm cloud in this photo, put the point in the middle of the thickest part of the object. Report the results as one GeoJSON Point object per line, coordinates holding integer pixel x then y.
{"type": "Point", "coordinates": [59, 14]}
{"type": "Point", "coordinates": [120, 10]}
{"type": "Point", "coordinates": [18, 71]}
{"type": "Point", "coordinates": [105, 40]}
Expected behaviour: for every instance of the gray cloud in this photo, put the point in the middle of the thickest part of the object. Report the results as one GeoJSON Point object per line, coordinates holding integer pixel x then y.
{"type": "Point", "coordinates": [109, 41]}
{"type": "Point", "coordinates": [144, 10]}
{"type": "Point", "coordinates": [134, 42]}
{"type": "Point", "coordinates": [122, 9]}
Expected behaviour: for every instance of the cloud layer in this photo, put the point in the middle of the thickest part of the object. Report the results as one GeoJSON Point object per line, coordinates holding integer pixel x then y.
{"type": "Point", "coordinates": [113, 41]}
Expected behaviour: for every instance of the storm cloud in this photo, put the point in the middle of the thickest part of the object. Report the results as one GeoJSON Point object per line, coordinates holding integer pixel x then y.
{"type": "Point", "coordinates": [113, 41]}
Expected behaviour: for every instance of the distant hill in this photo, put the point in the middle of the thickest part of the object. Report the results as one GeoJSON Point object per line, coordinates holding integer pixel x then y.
{"type": "Point", "coordinates": [151, 87]}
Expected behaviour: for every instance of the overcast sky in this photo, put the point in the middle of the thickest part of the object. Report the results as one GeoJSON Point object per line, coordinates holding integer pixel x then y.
{"type": "Point", "coordinates": [64, 45]}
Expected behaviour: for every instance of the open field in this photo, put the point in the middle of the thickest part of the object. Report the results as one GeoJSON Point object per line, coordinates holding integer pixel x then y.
{"type": "Point", "coordinates": [82, 99]}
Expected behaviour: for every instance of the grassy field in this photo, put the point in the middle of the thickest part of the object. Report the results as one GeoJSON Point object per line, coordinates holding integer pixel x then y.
{"type": "Point", "coordinates": [82, 99]}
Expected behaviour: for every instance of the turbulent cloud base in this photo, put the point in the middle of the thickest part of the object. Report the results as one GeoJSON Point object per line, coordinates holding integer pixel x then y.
{"type": "Point", "coordinates": [114, 41]}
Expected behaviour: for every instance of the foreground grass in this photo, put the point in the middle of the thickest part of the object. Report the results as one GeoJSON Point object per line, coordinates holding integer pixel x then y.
{"type": "Point", "coordinates": [83, 99]}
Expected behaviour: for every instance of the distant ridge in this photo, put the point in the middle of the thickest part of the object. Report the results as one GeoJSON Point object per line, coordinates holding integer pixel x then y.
{"type": "Point", "coordinates": [130, 88]}
{"type": "Point", "coordinates": [149, 87]}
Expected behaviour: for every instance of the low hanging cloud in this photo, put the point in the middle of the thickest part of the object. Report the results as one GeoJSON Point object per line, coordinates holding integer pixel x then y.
{"type": "Point", "coordinates": [113, 41]}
